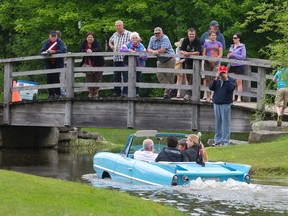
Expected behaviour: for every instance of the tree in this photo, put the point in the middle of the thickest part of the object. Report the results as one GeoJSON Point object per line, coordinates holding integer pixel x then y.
{"type": "Point", "coordinates": [272, 19]}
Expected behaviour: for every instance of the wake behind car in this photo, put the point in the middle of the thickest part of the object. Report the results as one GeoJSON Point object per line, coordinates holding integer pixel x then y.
{"type": "Point", "coordinates": [123, 167]}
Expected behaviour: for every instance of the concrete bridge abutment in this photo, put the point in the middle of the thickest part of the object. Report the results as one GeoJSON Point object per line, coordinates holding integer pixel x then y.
{"type": "Point", "coordinates": [13, 137]}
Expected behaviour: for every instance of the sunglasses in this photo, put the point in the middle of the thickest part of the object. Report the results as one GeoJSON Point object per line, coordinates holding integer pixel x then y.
{"type": "Point", "coordinates": [157, 33]}
{"type": "Point", "coordinates": [235, 37]}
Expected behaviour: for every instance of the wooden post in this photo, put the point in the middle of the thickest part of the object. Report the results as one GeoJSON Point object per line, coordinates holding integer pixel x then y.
{"type": "Point", "coordinates": [131, 90]}
{"type": "Point", "coordinates": [195, 93]}
{"type": "Point", "coordinates": [131, 114]}
{"type": "Point", "coordinates": [7, 93]}
{"type": "Point", "coordinates": [196, 83]}
{"type": "Point", "coordinates": [69, 74]}
{"type": "Point", "coordinates": [261, 86]}
{"type": "Point", "coordinates": [131, 77]}
{"type": "Point", "coordinates": [246, 84]}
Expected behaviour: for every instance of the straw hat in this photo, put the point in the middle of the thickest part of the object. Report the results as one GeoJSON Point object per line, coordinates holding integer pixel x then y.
{"type": "Point", "coordinates": [179, 43]}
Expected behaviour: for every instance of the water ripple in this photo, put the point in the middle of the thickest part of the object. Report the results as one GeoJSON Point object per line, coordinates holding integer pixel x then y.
{"type": "Point", "coordinates": [209, 197]}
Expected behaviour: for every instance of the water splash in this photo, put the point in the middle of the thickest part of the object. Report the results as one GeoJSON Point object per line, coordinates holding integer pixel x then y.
{"type": "Point", "coordinates": [209, 197]}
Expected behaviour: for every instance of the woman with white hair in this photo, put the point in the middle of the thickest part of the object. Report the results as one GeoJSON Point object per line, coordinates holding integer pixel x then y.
{"type": "Point", "coordinates": [135, 45]}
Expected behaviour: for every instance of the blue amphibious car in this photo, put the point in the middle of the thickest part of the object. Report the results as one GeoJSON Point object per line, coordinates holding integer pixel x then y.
{"type": "Point", "coordinates": [123, 167]}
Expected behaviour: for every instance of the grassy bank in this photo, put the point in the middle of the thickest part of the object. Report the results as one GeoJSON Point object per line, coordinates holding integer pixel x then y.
{"type": "Point", "coordinates": [23, 194]}
{"type": "Point", "coordinates": [266, 159]}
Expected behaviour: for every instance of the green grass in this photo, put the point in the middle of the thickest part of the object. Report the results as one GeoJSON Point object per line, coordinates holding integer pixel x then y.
{"type": "Point", "coordinates": [266, 159]}
{"type": "Point", "coordinates": [119, 136]}
{"type": "Point", "coordinates": [23, 194]}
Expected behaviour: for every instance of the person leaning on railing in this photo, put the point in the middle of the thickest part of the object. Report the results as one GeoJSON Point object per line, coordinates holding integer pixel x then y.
{"type": "Point", "coordinates": [90, 45]}
{"type": "Point", "coordinates": [53, 45]}
{"type": "Point", "coordinates": [134, 45]}
{"type": "Point", "coordinates": [191, 46]}
{"type": "Point", "coordinates": [237, 51]}
{"type": "Point", "coordinates": [116, 41]}
{"type": "Point", "coordinates": [160, 44]}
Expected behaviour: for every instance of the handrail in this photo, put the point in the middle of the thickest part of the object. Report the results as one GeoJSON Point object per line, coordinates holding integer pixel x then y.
{"type": "Point", "coordinates": [248, 61]}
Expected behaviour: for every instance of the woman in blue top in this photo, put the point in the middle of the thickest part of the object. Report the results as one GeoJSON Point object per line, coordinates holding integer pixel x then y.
{"type": "Point", "coordinates": [237, 51]}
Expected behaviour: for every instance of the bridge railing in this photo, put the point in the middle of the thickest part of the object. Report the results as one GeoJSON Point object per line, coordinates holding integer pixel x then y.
{"type": "Point", "coordinates": [256, 74]}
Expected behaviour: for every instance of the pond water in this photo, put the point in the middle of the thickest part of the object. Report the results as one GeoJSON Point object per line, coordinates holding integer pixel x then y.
{"type": "Point", "coordinates": [261, 197]}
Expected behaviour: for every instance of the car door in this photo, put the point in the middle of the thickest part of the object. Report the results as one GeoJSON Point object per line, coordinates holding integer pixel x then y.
{"type": "Point", "coordinates": [124, 169]}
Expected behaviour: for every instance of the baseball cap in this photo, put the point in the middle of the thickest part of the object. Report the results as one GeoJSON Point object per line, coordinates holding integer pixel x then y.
{"type": "Point", "coordinates": [157, 30]}
{"type": "Point", "coordinates": [222, 69]}
{"type": "Point", "coordinates": [214, 23]}
{"type": "Point", "coordinates": [52, 32]}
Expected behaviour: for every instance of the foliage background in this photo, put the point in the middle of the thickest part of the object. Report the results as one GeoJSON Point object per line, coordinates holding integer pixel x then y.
{"type": "Point", "coordinates": [25, 24]}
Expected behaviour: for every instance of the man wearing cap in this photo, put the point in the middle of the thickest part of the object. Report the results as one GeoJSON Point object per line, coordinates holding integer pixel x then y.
{"type": "Point", "coordinates": [116, 41]}
{"type": "Point", "coordinates": [160, 44]}
{"type": "Point", "coordinates": [223, 87]}
{"type": "Point", "coordinates": [214, 27]}
{"type": "Point", "coordinates": [53, 45]}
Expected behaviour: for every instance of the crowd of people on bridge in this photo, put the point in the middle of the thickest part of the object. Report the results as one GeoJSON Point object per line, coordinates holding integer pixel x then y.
{"type": "Point", "coordinates": [212, 43]}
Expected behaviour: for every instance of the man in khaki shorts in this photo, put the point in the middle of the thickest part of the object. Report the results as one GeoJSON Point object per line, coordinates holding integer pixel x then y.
{"type": "Point", "coordinates": [281, 100]}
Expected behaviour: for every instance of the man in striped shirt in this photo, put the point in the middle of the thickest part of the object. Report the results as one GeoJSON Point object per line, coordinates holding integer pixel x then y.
{"type": "Point", "coordinates": [120, 37]}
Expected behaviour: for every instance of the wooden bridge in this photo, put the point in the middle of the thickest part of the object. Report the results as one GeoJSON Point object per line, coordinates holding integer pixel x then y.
{"type": "Point", "coordinates": [131, 112]}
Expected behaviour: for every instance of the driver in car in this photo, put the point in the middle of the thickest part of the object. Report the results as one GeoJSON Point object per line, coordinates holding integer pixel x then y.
{"type": "Point", "coordinates": [147, 153]}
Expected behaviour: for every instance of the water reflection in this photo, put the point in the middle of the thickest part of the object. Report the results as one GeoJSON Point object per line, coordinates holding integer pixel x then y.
{"type": "Point", "coordinates": [199, 198]}
{"type": "Point", "coordinates": [47, 163]}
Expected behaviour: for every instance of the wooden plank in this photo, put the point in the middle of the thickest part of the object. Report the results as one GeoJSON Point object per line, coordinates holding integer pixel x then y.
{"type": "Point", "coordinates": [38, 72]}
{"type": "Point", "coordinates": [37, 119]}
{"type": "Point", "coordinates": [45, 86]}
{"type": "Point", "coordinates": [95, 69]}
{"type": "Point", "coordinates": [48, 107]}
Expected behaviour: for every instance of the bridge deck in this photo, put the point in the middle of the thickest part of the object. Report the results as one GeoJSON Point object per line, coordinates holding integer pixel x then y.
{"type": "Point", "coordinates": [143, 113]}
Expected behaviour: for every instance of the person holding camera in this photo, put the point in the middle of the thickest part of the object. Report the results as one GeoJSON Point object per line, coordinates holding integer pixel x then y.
{"type": "Point", "coordinates": [195, 150]}
{"type": "Point", "coordinates": [223, 87]}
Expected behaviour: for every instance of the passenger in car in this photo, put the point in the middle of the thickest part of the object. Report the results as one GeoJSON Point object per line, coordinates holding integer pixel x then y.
{"type": "Point", "coordinates": [182, 145]}
{"type": "Point", "coordinates": [170, 153]}
{"type": "Point", "coordinates": [195, 150]}
{"type": "Point", "coordinates": [147, 153]}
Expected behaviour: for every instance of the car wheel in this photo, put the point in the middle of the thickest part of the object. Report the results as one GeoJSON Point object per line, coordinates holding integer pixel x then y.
{"type": "Point", "coordinates": [106, 175]}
